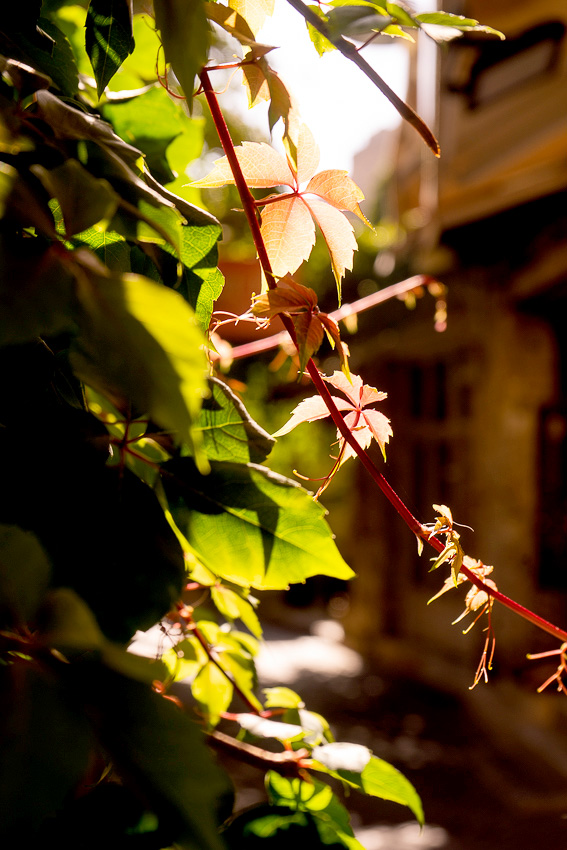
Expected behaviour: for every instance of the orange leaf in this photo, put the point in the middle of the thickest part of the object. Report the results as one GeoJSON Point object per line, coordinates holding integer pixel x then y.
{"type": "Point", "coordinates": [261, 165]}
{"type": "Point", "coordinates": [334, 336]}
{"type": "Point", "coordinates": [288, 297]}
{"type": "Point", "coordinates": [309, 335]}
{"type": "Point", "coordinates": [339, 190]}
{"type": "Point", "coordinates": [288, 233]}
{"type": "Point", "coordinates": [338, 234]}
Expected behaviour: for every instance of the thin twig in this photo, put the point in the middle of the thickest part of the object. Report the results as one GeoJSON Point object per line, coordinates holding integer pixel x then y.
{"type": "Point", "coordinates": [396, 289]}
{"type": "Point", "coordinates": [349, 50]}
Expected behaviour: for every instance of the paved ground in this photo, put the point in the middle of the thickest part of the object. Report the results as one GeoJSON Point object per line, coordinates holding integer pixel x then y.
{"type": "Point", "coordinates": [473, 798]}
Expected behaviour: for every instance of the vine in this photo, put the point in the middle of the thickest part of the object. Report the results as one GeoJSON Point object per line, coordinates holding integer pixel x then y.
{"type": "Point", "coordinates": [135, 486]}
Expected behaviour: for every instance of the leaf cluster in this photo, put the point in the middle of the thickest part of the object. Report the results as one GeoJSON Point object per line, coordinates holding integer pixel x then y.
{"type": "Point", "coordinates": [133, 481]}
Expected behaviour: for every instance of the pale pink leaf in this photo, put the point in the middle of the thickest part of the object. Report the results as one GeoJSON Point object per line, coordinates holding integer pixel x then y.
{"type": "Point", "coordinates": [288, 233]}
{"type": "Point", "coordinates": [307, 154]}
{"type": "Point", "coordinates": [379, 426]}
{"type": "Point", "coordinates": [261, 165]}
{"type": "Point", "coordinates": [359, 430]}
{"type": "Point", "coordinates": [352, 389]}
{"type": "Point", "coordinates": [338, 234]}
{"type": "Point", "coordinates": [370, 394]}
{"type": "Point", "coordinates": [309, 410]}
{"type": "Point", "coordinates": [339, 190]}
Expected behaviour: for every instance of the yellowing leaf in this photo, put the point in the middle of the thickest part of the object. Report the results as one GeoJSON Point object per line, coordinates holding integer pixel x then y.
{"type": "Point", "coordinates": [288, 233]}
{"type": "Point", "coordinates": [230, 20]}
{"type": "Point", "coordinates": [338, 234]}
{"type": "Point", "coordinates": [287, 227]}
{"type": "Point", "coordinates": [339, 190]}
{"type": "Point", "coordinates": [256, 84]}
{"type": "Point", "coordinates": [261, 165]}
{"type": "Point", "coordinates": [254, 12]}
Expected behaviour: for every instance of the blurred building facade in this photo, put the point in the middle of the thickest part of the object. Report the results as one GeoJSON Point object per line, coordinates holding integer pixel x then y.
{"type": "Point", "coordinates": [479, 411]}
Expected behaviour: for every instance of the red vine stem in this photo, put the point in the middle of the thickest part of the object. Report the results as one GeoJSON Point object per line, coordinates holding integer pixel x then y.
{"type": "Point", "coordinates": [413, 524]}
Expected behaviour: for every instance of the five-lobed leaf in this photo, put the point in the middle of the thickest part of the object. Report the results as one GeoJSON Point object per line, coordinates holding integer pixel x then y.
{"type": "Point", "coordinates": [365, 424]}
{"type": "Point", "coordinates": [287, 228]}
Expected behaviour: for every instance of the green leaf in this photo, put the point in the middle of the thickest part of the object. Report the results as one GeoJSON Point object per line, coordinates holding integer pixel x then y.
{"type": "Point", "coordinates": [68, 623]}
{"type": "Point", "coordinates": [185, 34]}
{"type": "Point", "coordinates": [321, 44]}
{"type": "Point", "coordinates": [234, 607]}
{"type": "Point", "coordinates": [447, 19]}
{"type": "Point", "coordinates": [84, 199]}
{"type": "Point", "coordinates": [330, 816]}
{"type": "Point", "coordinates": [201, 281]}
{"type": "Point", "coordinates": [185, 659]}
{"type": "Point", "coordinates": [156, 746]}
{"type": "Point", "coordinates": [228, 431]}
{"type": "Point", "coordinates": [150, 121]}
{"type": "Point", "coordinates": [213, 691]}
{"type": "Point", "coordinates": [201, 286]}
{"type": "Point", "coordinates": [281, 697]}
{"type": "Point", "coordinates": [111, 248]}
{"type": "Point", "coordinates": [380, 779]}
{"type": "Point", "coordinates": [296, 793]}
{"type": "Point", "coordinates": [58, 62]}
{"type": "Point", "coordinates": [36, 291]}
{"type": "Point", "coordinates": [252, 526]}
{"type": "Point", "coordinates": [401, 15]}
{"type": "Point", "coordinates": [139, 340]}
{"type": "Point", "coordinates": [45, 744]}
{"type": "Point", "coordinates": [24, 575]}
{"type": "Point", "coordinates": [108, 38]}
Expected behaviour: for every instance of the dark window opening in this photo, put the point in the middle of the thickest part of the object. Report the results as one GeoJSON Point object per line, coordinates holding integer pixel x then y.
{"type": "Point", "coordinates": [553, 499]}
